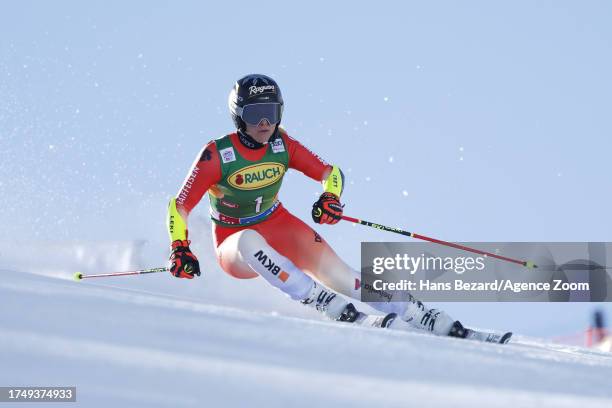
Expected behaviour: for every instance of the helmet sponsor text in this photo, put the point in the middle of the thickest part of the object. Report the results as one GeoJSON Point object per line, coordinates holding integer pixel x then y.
{"type": "Point", "coordinates": [256, 90]}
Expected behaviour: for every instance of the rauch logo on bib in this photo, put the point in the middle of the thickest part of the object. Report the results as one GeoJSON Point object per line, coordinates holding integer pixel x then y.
{"type": "Point", "coordinates": [257, 176]}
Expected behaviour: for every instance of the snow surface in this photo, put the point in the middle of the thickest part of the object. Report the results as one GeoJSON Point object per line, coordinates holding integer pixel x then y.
{"type": "Point", "coordinates": [140, 348]}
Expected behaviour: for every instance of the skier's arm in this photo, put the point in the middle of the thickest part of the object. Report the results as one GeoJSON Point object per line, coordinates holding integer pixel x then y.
{"type": "Point", "coordinates": [305, 161]}
{"type": "Point", "coordinates": [205, 172]}
{"type": "Point", "coordinates": [327, 209]}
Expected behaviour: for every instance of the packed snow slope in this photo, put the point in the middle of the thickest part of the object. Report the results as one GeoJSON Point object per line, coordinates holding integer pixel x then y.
{"type": "Point", "coordinates": [128, 347]}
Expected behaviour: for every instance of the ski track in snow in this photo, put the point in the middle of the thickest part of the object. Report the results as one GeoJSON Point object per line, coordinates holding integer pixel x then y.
{"type": "Point", "coordinates": [136, 348]}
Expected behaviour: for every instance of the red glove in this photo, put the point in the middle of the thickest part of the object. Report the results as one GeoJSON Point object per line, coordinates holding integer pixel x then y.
{"type": "Point", "coordinates": [183, 263]}
{"type": "Point", "coordinates": [327, 209]}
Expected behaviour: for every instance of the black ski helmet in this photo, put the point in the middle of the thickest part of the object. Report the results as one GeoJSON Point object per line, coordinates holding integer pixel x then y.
{"type": "Point", "coordinates": [254, 89]}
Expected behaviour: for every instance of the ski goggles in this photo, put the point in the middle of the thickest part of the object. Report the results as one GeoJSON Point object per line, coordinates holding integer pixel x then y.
{"type": "Point", "coordinates": [256, 112]}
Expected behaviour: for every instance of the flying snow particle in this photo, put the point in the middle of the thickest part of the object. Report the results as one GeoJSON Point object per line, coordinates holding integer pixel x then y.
{"type": "Point", "coordinates": [386, 99]}
{"type": "Point", "coordinates": [405, 193]}
{"type": "Point", "coordinates": [461, 148]}
{"type": "Point", "coordinates": [390, 159]}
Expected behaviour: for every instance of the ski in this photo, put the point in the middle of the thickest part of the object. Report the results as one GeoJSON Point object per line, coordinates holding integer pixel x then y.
{"type": "Point", "coordinates": [472, 334]}
{"type": "Point", "coordinates": [487, 337]}
{"type": "Point", "coordinates": [375, 320]}
{"type": "Point", "coordinates": [391, 322]}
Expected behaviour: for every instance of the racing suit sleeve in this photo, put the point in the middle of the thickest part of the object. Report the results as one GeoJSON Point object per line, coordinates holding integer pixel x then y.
{"type": "Point", "coordinates": [305, 161]}
{"type": "Point", "coordinates": [204, 173]}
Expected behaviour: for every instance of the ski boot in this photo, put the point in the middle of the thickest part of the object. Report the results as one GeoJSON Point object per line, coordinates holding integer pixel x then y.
{"type": "Point", "coordinates": [432, 320]}
{"type": "Point", "coordinates": [337, 308]}
{"type": "Point", "coordinates": [325, 301]}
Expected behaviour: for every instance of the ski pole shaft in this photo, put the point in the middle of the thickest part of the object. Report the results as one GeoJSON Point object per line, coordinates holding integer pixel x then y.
{"type": "Point", "coordinates": [80, 275]}
{"type": "Point", "coordinates": [527, 264]}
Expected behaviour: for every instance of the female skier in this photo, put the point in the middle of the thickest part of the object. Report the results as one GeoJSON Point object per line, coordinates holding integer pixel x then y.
{"type": "Point", "coordinates": [254, 235]}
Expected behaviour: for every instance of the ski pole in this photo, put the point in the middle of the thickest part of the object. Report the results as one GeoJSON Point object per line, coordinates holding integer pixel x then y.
{"type": "Point", "coordinates": [79, 275]}
{"type": "Point", "coordinates": [527, 264]}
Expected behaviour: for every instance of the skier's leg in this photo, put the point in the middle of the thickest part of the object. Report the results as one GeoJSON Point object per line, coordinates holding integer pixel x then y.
{"type": "Point", "coordinates": [294, 239]}
{"type": "Point", "coordinates": [247, 250]}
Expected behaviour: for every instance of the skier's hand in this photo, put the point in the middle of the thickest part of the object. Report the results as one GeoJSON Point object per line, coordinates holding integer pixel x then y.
{"type": "Point", "coordinates": [183, 263]}
{"type": "Point", "coordinates": [327, 209]}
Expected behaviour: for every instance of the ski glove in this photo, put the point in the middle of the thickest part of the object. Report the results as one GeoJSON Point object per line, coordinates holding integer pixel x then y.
{"type": "Point", "coordinates": [327, 209]}
{"type": "Point", "coordinates": [183, 263]}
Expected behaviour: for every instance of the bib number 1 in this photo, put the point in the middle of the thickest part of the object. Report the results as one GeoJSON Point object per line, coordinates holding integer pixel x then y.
{"type": "Point", "coordinates": [258, 202]}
